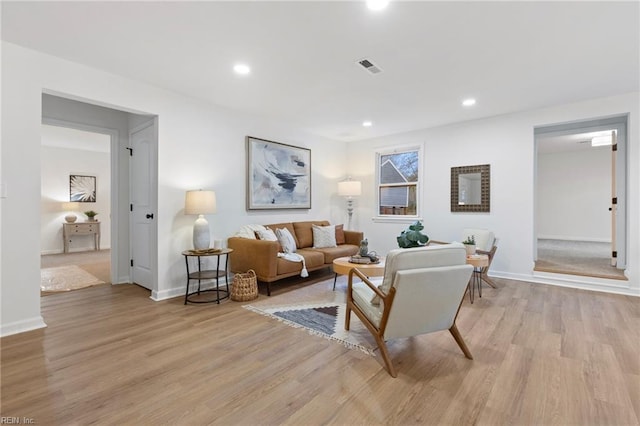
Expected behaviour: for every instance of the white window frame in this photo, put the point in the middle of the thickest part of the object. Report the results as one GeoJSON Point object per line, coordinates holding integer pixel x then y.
{"type": "Point", "coordinates": [399, 218]}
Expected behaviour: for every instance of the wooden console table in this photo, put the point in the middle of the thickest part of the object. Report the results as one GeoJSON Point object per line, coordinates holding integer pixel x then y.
{"type": "Point", "coordinates": [81, 228]}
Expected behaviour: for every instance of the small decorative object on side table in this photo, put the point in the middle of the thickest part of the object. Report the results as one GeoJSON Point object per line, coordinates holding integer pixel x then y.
{"type": "Point", "coordinates": [413, 237]}
{"type": "Point", "coordinates": [209, 274]}
{"type": "Point", "coordinates": [470, 245]}
{"type": "Point", "coordinates": [91, 215]}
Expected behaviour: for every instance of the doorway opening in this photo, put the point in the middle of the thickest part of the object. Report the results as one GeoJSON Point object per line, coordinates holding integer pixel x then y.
{"type": "Point", "coordinates": [75, 178]}
{"type": "Point", "coordinates": [580, 198]}
{"type": "Point", "coordinates": [109, 187]}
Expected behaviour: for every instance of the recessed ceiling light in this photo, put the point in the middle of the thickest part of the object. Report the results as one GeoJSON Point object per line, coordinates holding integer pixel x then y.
{"type": "Point", "coordinates": [367, 123]}
{"type": "Point", "coordinates": [377, 4]}
{"type": "Point", "coordinates": [241, 69]}
{"type": "Point", "coordinates": [469, 102]}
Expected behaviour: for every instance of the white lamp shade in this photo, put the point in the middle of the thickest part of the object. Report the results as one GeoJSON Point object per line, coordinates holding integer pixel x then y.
{"type": "Point", "coordinates": [349, 188]}
{"type": "Point", "coordinates": [200, 202]}
{"type": "Point", "coordinates": [70, 206]}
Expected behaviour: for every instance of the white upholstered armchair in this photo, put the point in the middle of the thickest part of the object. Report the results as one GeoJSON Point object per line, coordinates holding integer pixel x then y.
{"type": "Point", "coordinates": [420, 293]}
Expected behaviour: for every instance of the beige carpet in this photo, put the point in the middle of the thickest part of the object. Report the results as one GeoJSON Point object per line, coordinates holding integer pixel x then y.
{"type": "Point", "coordinates": [97, 263]}
{"type": "Point", "coordinates": [577, 258]}
{"type": "Point", "coordinates": [66, 278]}
{"type": "Point", "coordinates": [315, 296]}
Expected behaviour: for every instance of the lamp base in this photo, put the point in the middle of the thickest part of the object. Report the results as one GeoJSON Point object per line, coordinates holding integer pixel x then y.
{"type": "Point", "coordinates": [349, 211]}
{"type": "Point", "coordinates": [201, 237]}
{"type": "Point", "coordinates": [70, 218]}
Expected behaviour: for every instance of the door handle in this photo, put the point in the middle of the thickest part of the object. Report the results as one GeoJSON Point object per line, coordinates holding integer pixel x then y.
{"type": "Point", "coordinates": [149, 215]}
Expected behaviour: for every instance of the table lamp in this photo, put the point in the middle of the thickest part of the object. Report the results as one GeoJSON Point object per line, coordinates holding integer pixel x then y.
{"type": "Point", "coordinates": [70, 207]}
{"type": "Point", "coordinates": [200, 202]}
{"type": "Point", "coordinates": [349, 189]}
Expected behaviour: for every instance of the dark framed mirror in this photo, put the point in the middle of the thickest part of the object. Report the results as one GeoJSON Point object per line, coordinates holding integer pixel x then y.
{"type": "Point", "coordinates": [470, 188]}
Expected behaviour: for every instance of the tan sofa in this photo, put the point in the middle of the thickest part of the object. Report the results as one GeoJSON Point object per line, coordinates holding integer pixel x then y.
{"type": "Point", "coordinates": [262, 256]}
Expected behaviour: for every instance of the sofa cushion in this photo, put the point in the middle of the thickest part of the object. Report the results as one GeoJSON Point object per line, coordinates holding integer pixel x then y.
{"type": "Point", "coordinates": [324, 236]}
{"type": "Point", "coordinates": [312, 259]}
{"type": "Point", "coordinates": [287, 225]}
{"type": "Point", "coordinates": [304, 234]}
{"type": "Point", "coordinates": [332, 253]}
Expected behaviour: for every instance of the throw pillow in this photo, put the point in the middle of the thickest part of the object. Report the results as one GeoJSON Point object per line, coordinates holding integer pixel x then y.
{"type": "Point", "coordinates": [286, 240]}
{"type": "Point", "coordinates": [340, 234]}
{"type": "Point", "coordinates": [266, 234]}
{"type": "Point", "coordinates": [324, 236]}
{"type": "Point", "coordinates": [249, 231]}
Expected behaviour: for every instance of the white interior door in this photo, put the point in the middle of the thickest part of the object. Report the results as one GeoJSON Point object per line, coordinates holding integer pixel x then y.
{"type": "Point", "coordinates": [143, 205]}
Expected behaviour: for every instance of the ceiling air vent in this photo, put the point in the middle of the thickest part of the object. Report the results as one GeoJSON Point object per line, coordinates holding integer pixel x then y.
{"type": "Point", "coordinates": [369, 66]}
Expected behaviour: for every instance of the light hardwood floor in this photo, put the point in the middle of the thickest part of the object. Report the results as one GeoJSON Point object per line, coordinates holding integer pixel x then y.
{"type": "Point", "coordinates": [543, 355]}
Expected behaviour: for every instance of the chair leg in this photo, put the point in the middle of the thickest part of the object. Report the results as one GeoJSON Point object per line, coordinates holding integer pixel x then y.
{"type": "Point", "coordinates": [460, 341]}
{"type": "Point", "coordinates": [488, 280]}
{"type": "Point", "coordinates": [347, 318]}
{"type": "Point", "coordinates": [385, 356]}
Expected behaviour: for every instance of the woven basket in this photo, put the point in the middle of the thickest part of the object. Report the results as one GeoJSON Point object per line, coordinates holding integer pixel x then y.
{"type": "Point", "coordinates": [244, 286]}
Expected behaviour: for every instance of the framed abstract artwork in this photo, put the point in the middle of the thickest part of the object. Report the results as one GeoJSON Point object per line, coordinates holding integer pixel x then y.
{"type": "Point", "coordinates": [278, 175]}
{"type": "Point", "coordinates": [82, 189]}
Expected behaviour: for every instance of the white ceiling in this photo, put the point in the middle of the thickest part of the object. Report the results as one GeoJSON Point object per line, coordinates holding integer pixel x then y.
{"type": "Point", "coordinates": [510, 56]}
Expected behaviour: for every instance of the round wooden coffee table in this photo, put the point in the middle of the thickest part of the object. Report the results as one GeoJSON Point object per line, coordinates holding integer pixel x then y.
{"type": "Point", "coordinates": [342, 266]}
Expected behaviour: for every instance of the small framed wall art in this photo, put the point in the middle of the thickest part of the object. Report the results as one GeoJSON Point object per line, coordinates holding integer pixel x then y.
{"type": "Point", "coordinates": [278, 175]}
{"type": "Point", "coordinates": [82, 189]}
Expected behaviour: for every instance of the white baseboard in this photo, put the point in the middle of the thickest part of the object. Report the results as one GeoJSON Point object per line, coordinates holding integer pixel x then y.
{"type": "Point", "coordinates": [572, 281]}
{"type": "Point", "coordinates": [566, 238]}
{"type": "Point", "coordinates": [55, 251]}
{"type": "Point", "coordinates": [22, 326]}
{"type": "Point", "coordinates": [75, 250]}
{"type": "Point", "coordinates": [167, 294]}
{"type": "Point", "coordinates": [179, 291]}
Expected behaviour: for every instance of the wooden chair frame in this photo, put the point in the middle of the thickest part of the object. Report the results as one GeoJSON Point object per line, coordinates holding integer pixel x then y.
{"type": "Point", "coordinates": [378, 332]}
{"type": "Point", "coordinates": [485, 270]}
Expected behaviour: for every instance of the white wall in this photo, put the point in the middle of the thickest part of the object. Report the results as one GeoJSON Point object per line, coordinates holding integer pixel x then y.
{"type": "Point", "coordinates": [574, 193]}
{"type": "Point", "coordinates": [507, 144]}
{"type": "Point", "coordinates": [57, 165]}
{"type": "Point", "coordinates": [200, 146]}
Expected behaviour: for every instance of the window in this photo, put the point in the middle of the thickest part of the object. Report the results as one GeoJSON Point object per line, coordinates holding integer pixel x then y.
{"type": "Point", "coordinates": [398, 181]}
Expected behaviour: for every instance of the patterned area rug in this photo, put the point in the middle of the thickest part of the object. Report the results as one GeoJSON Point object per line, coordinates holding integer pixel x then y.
{"type": "Point", "coordinates": [321, 318]}
{"type": "Point", "coordinates": [66, 278]}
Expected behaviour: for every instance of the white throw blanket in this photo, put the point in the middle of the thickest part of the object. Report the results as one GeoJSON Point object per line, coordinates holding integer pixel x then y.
{"type": "Point", "coordinates": [295, 257]}
{"type": "Point", "coordinates": [249, 231]}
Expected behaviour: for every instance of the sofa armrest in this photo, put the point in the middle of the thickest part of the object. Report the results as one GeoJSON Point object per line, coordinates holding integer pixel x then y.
{"type": "Point", "coordinates": [353, 237]}
{"type": "Point", "coordinates": [259, 255]}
